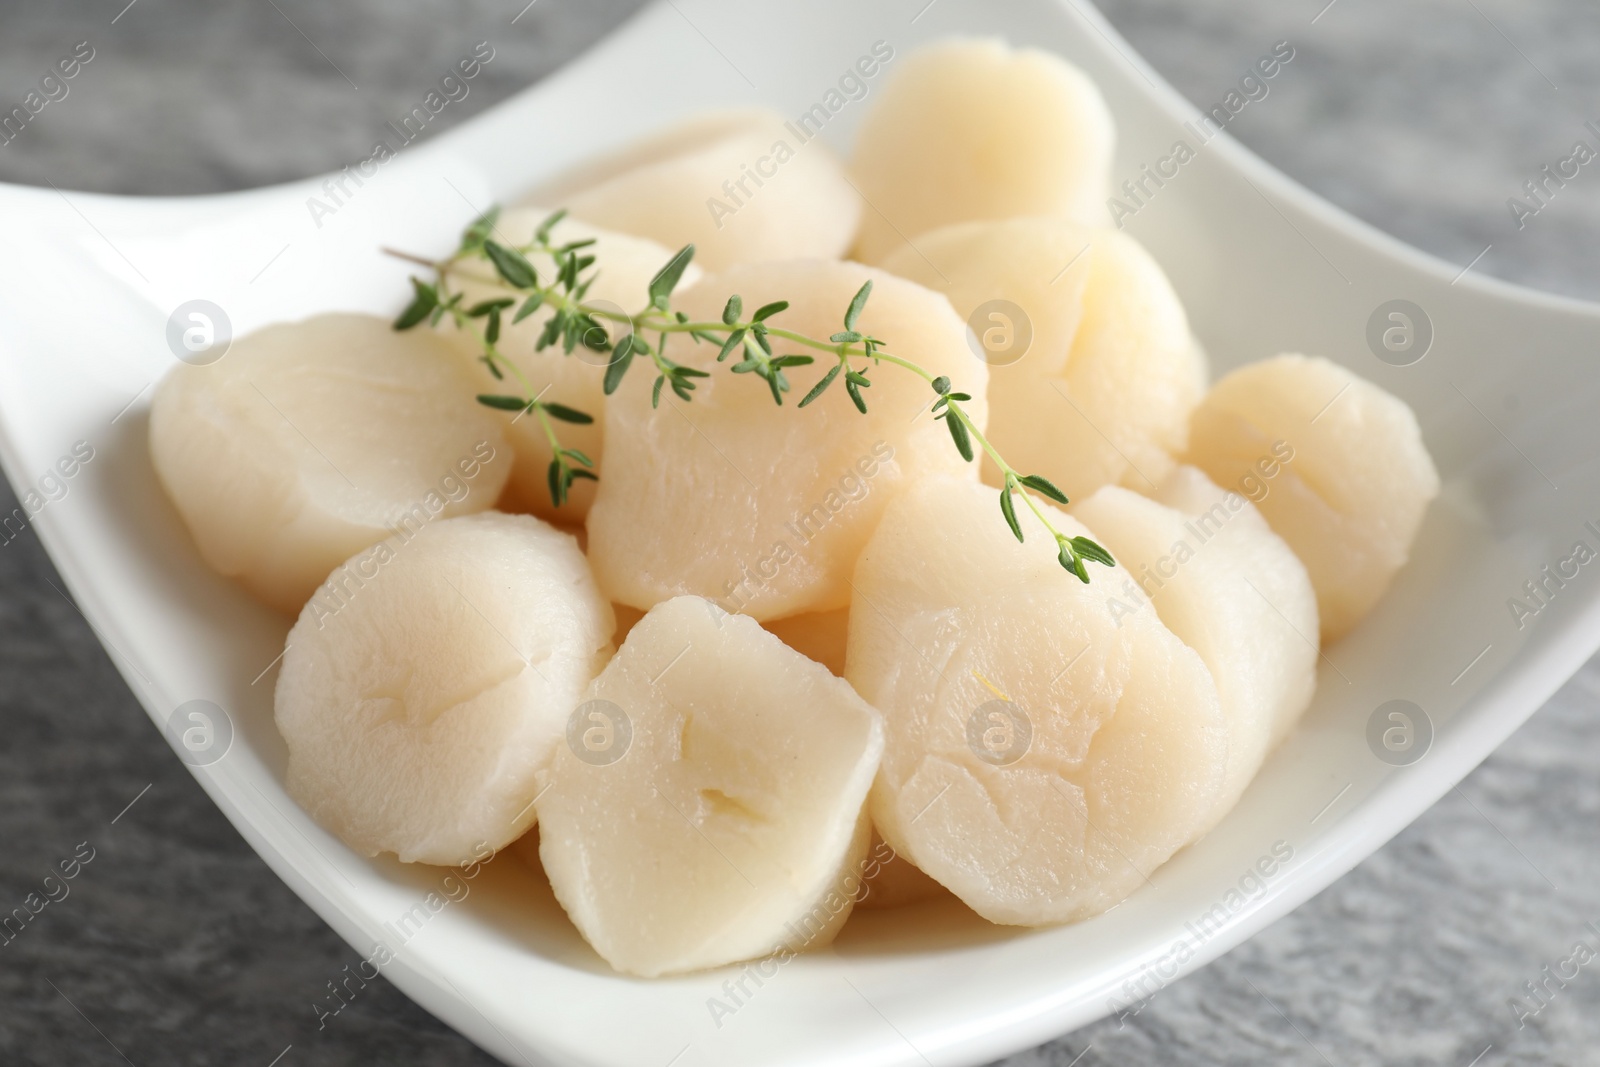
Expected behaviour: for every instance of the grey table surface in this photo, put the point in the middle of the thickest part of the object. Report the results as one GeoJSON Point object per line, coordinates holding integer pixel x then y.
{"type": "Point", "coordinates": [177, 945]}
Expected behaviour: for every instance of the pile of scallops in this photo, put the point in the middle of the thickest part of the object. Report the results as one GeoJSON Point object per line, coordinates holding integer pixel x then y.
{"type": "Point", "coordinates": [777, 663]}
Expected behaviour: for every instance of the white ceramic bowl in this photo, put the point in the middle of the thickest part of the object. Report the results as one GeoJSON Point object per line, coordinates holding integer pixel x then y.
{"type": "Point", "coordinates": [1506, 395]}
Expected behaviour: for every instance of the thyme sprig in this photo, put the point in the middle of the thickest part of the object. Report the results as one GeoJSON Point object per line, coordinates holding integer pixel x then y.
{"type": "Point", "coordinates": [575, 321]}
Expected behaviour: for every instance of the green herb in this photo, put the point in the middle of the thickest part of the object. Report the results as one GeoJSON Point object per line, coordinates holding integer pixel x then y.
{"type": "Point", "coordinates": [566, 414]}
{"type": "Point", "coordinates": [573, 322]}
{"type": "Point", "coordinates": [570, 325]}
{"type": "Point", "coordinates": [666, 279]}
{"type": "Point", "coordinates": [421, 306]}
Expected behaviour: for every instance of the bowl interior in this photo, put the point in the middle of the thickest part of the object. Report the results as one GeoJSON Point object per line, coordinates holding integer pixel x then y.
{"type": "Point", "coordinates": [1264, 267]}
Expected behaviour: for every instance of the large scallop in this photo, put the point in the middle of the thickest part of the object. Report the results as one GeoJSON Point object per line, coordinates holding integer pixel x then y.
{"type": "Point", "coordinates": [709, 804]}
{"type": "Point", "coordinates": [1346, 476]}
{"type": "Point", "coordinates": [1229, 588]}
{"type": "Point", "coordinates": [974, 129]}
{"type": "Point", "coordinates": [309, 441]}
{"type": "Point", "coordinates": [741, 186]}
{"type": "Point", "coordinates": [1045, 752]}
{"type": "Point", "coordinates": [430, 680]}
{"type": "Point", "coordinates": [1093, 373]}
{"type": "Point", "coordinates": [761, 507]}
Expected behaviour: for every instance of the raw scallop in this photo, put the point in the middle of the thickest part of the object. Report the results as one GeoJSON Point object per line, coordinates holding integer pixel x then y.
{"type": "Point", "coordinates": [1346, 474]}
{"type": "Point", "coordinates": [1045, 752]}
{"type": "Point", "coordinates": [765, 508]}
{"type": "Point", "coordinates": [1229, 588]}
{"type": "Point", "coordinates": [430, 680]}
{"type": "Point", "coordinates": [308, 441]}
{"type": "Point", "coordinates": [973, 129]}
{"type": "Point", "coordinates": [1102, 392]}
{"type": "Point", "coordinates": [742, 187]}
{"type": "Point", "coordinates": [710, 806]}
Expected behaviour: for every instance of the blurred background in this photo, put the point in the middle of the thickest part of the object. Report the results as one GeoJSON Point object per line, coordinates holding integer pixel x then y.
{"type": "Point", "coordinates": [177, 945]}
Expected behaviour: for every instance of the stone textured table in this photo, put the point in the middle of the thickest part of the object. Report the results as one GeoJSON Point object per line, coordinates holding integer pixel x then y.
{"type": "Point", "coordinates": [178, 946]}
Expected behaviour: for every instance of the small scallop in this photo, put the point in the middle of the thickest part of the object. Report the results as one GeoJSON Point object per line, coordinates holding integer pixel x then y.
{"type": "Point", "coordinates": [622, 276]}
{"type": "Point", "coordinates": [742, 187]}
{"type": "Point", "coordinates": [1344, 474]}
{"type": "Point", "coordinates": [760, 507]}
{"type": "Point", "coordinates": [974, 129]}
{"type": "Point", "coordinates": [1093, 372]}
{"type": "Point", "coordinates": [1044, 752]}
{"type": "Point", "coordinates": [309, 441]}
{"type": "Point", "coordinates": [430, 680]}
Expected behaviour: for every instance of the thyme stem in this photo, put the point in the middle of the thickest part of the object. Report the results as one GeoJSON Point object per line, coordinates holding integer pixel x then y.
{"type": "Point", "coordinates": [574, 321]}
